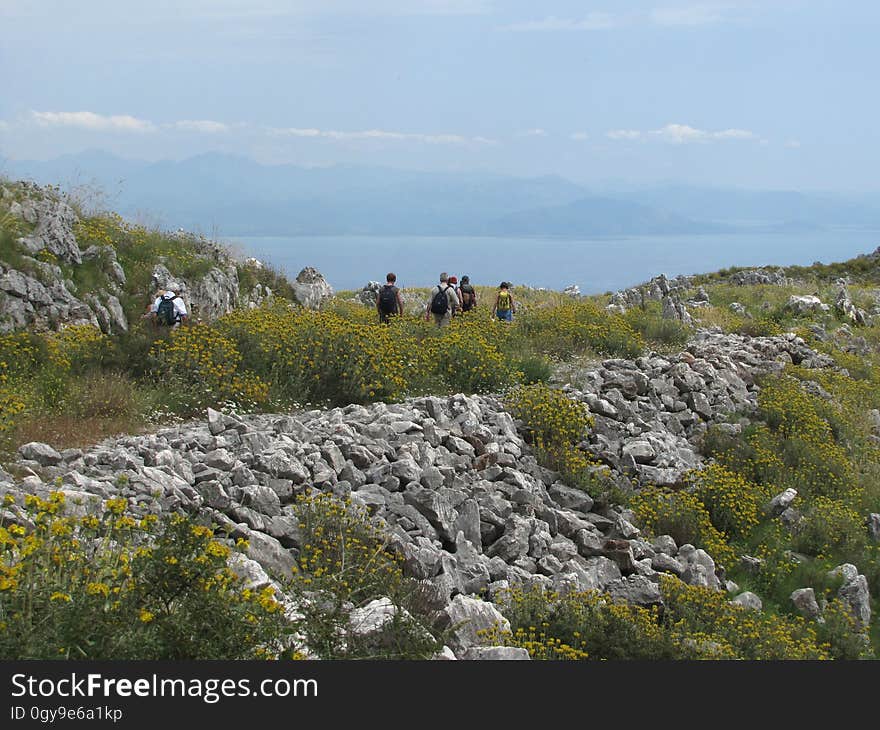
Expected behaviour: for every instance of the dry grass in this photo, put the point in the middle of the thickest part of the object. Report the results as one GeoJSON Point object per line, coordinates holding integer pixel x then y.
{"type": "Point", "coordinates": [64, 431]}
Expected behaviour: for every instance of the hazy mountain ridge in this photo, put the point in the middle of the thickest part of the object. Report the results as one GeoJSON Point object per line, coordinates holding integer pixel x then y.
{"type": "Point", "coordinates": [236, 196]}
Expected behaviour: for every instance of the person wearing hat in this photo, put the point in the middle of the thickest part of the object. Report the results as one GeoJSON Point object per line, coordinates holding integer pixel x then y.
{"type": "Point", "coordinates": [169, 309]}
{"type": "Point", "coordinates": [504, 307]}
{"type": "Point", "coordinates": [453, 282]}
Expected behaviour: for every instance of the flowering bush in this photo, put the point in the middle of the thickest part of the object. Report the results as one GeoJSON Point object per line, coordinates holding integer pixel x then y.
{"type": "Point", "coordinates": [579, 625]}
{"type": "Point", "coordinates": [579, 326]}
{"type": "Point", "coordinates": [705, 620]}
{"type": "Point", "coordinates": [695, 623]}
{"type": "Point", "coordinates": [201, 361]}
{"type": "Point", "coordinates": [345, 563]}
{"type": "Point", "coordinates": [109, 586]}
{"type": "Point", "coordinates": [555, 425]}
{"type": "Point", "coordinates": [735, 506]}
{"type": "Point", "coordinates": [682, 515]}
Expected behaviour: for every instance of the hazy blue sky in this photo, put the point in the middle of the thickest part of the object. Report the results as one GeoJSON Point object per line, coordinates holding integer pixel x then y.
{"type": "Point", "coordinates": [769, 94]}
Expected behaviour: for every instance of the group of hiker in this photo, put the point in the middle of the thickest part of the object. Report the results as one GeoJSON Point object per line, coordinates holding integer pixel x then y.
{"type": "Point", "coordinates": [447, 300]}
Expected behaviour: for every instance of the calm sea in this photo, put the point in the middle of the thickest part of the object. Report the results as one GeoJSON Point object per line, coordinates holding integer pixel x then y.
{"type": "Point", "coordinates": [595, 265]}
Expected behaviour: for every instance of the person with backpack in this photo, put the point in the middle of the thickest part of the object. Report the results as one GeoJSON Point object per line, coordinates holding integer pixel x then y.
{"type": "Point", "coordinates": [466, 295]}
{"type": "Point", "coordinates": [504, 307]}
{"type": "Point", "coordinates": [388, 301]}
{"type": "Point", "coordinates": [453, 282]}
{"type": "Point", "coordinates": [443, 302]}
{"type": "Point", "coordinates": [169, 309]}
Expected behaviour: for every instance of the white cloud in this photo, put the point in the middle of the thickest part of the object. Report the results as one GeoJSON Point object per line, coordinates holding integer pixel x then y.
{"type": "Point", "coordinates": [93, 122]}
{"type": "Point", "coordinates": [593, 21]}
{"type": "Point", "coordinates": [534, 133]}
{"type": "Point", "coordinates": [680, 134]}
{"type": "Point", "coordinates": [626, 134]}
{"type": "Point", "coordinates": [206, 126]}
{"type": "Point", "coordinates": [123, 123]}
{"type": "Point", "coordinates": [733, 134]}
{"type": "Point", "coordinates": [379, 134]}
{"type": "Point", "coordinates": [579, 136]}
{"type": "Point", "coordinates": [793, 144]}
{"type": "Point", "coordinates": [4, 126]}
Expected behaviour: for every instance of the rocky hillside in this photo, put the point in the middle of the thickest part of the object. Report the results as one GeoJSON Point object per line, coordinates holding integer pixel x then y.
{"type": "Point", "coordinates": [58, 267]}
{"type": "Point", "coordinates": [454, 485]}
{"type": "Point", "coordinates": [687, 469]}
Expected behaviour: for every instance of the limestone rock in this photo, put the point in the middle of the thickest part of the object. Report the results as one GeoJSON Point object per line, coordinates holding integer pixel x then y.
{"type": "Point", "coordinates": [495, 653]}
{"type": "Point", "coordinates": [465, 618]}
{"type": "Point", "coordinates": [311, 289]}
{"type": "Point", "coordinates": [42, 453]}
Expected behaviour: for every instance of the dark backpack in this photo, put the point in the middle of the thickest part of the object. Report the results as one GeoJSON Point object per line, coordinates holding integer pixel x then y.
{"type": "Point", "coordinates": [440, 302]}
{"type": "Point", "coordinates": [387, 300]}
{"type": "Point", "coordinates": [165, 315]}
{"type": "Point", "coordinates": [467, 297]}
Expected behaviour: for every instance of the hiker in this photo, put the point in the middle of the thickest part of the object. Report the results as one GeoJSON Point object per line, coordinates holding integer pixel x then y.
{"type": "Point", "coordinates": [453, 282]}
{"type": "Point", "coordinates": [388, 301]}
{"type": "Point", "coordinates": [466, 295]}
{"type": "Point", "coordinates": [443, 302]}
{"type": "Point", "coordinates": [169, 309]}
{"type": "Point", "coordinates": [504, 306]}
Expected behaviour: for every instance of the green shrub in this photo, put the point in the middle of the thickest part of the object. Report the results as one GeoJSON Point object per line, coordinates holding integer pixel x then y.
{"type": "Point", "coordinates": [735, 506]}
{"type": "Point", "coordinates": [555, 425]}
{"type": "Point", "coordinates": [695, 623]}
{"type": "Point", "coordinates": [113, 587]}
{"type": "Point", "coordinates": [682, 515]}
{"type": "Point", "coordinates": [705, 620]}
{"type": "Point", "coordinates": [580, 625]}
{"type": "Point", "coordinates": [534, 369]}
{"type": "Point", "coordinates": [344, 564]}
{"type": "Point", "coordinates": [842, 633]}
{"type": "Point", "coordinates": [654, 328]}
{"type": "Point", "coordinates": [102, 395]}
{"type": "Point", "coordinates": [829, 527]}
{"type": "Point", "coordinates": [577, 327]}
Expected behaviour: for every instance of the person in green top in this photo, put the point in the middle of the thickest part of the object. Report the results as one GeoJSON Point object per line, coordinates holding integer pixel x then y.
{"type": "Point", "coordinates": [504, 307]}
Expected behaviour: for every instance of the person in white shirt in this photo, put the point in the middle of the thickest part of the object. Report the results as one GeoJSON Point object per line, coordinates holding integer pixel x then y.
{"type": "Point", "coordinates": [169, 315]}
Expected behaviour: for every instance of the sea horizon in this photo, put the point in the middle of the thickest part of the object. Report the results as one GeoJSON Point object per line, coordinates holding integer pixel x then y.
{"type": "Point", "coordinates": [595, 264]}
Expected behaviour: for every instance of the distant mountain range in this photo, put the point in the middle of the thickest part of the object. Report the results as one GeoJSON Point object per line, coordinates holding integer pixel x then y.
{"type": "Point", "coordinates": [225, 195]}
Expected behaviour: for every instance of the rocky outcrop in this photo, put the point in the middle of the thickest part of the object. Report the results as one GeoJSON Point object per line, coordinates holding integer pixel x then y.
{"type": "Point", "coordinates": [35, 294]}
{"type": "Point", "coordinates": [53, 220]}
{"type": "Point", "coordinates": [449, 480]}
{"type": "Point", "coordinates": [209, 296]}
{"type": "Point", "coordinates": [658, 289]}
{"type": "Point", "coordinates": [806, 304]}
{"type": "Point", "coordinates": [311, 289]}
{"type": "Point", "coordinates": [650, 413]}
{"type": "Point", "coordinates": [368, 293]}
{"type": "Point", "coordinates": [413, 302]}
{"type": "Point", "coordinates": [750, 277]}
{"type": "Point", "coordinates": [40, 304]}
{"type": "Point", "coordinates": [843, 305]}
{"type": "Point", "coordinates": [854, 592]}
